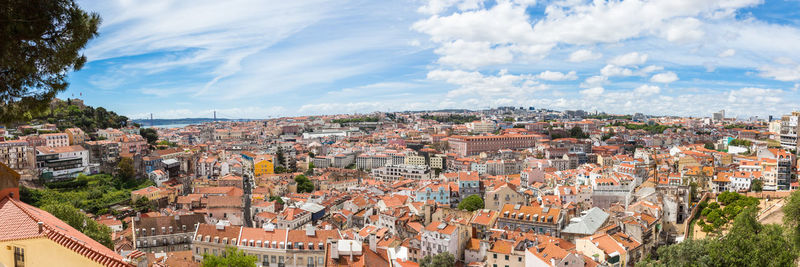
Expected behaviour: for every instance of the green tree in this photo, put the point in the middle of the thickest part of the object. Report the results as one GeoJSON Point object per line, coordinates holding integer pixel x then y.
{"type": "Point", "coordinates": [757, 186]}
{"type": "Point", "coordinates": [748, 243]}
{"type": "Point", "coordinates": [791, 216]}
{"type": "Point", "coordinates": [231, 257]}
{"type": "Point", "coordinates": [577, 132]}
{"type": "Point", "coordinates": [144, 205]}
{"type": "Point", "coordinates": [687, 253]}
{"type": "Point", "coordinates": [727, 197]}
{"type": "Point", "coordinates": [304, 184]}
{"type": "Point", "coordinates": [149, 134]}
{"type": "Point", "coordinates": [444, 259]}
{"type": "Point", "coordinates": [709, 146]}
{"type": "Point", "coordinates": [82, 223]}
{"type": "Point", "coordinates": [276, 198]}
{"type": "Point", "coordinates": [310, 170]}
{"type": "Point", "coordinates": [471, 203]}
{"type": "Point", "coordinates": [41, 43]}
{"type": "Point", "coordinates": [125, 170]}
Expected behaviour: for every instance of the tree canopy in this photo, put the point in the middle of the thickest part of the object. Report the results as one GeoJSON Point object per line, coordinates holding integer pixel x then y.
{"type": "Point", "coordinates": [791, 216]}
{"type": "Point", "coordinates": [471, 203]}
{"type": "Point", "coordinates": [577, 132]}
{"type": "Point", "coordinates": [444, 259]}
{"type": "Point", "coordinates": [81, 222]}
{"type": "Point", "coordinates": [125, 170]}
{"type": "Point", "coordinates": [231, 257]}
{"type": "Point", "coordinates": [41, 44]}
{"type": "Point", "coordinates": [149, 134]}
{"type": "Point", "coordinates": [304, 184]}
{"type": "Point", "coordinates": [748, 243]}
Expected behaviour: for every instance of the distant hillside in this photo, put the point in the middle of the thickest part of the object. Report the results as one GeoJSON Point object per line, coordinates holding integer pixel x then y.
{"type": "Point", "coordinates": [147, 122]}
{"type": "Point", "coordinates": [73, 113]}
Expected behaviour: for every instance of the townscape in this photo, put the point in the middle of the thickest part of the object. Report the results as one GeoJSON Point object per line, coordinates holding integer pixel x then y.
{"type": "Point", "coordinates": [509, 186]}
{"type": "Point", "coordinates": [402, 133]}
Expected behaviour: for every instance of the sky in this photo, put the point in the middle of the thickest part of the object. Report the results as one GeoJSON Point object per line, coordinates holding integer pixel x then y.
{"type": "Point", "coordinates": [264, 59]}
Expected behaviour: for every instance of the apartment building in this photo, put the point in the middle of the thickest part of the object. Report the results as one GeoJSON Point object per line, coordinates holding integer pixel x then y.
{"type": "Point", "coordinates": [540, 220]}
{"type": "Point", "coordinates": [391, 173]}
{"type": "Point", "coordinates": [164, 233]}
{"type": "Point", "coordinates": [369, 162]}
{"type": "Point", "coordinates": [473, 145]}
{"type": "Point", "coordinates": [76, 136]}
{"type": "Point", "coordinates": [271, 246]}
{"type": "Point", "coordinates": [502, 195]}
{"type": "Point", "coordinates": [55, 139]}
{"type": "Point", "coordinates": [438, 237]}
{"type": "Point", "coordinates": [61, 162]}
{"type": "Point", "coordinates": [109, 134]}
{"type": "Point", "coordinates": [17, 154]}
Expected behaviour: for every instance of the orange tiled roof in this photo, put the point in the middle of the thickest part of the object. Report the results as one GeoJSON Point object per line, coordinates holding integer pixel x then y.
{"type": "Point", "coordinates": [19, 221]}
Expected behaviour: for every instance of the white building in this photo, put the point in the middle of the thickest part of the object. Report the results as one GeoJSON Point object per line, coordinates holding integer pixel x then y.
{"type": "Point", "coordinates": [439, 237]}
{"type": "Point", "coordinates": [391, 173]}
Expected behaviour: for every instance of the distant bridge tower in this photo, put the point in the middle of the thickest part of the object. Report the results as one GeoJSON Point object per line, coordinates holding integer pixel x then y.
{"type": "Point", "coordinates": [151, 120]}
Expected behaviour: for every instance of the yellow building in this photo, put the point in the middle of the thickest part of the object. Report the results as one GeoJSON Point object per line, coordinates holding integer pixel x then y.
{"type": "Point", "coordinates": [33, 237]}
{"type": "Point", "coordinates": [150, 192]}
{"type": "Point", "coordinates": [262, 164]}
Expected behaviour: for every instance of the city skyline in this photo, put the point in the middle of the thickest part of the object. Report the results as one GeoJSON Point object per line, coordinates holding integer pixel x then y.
{"type": "Point", "coordinates": [260, 60]}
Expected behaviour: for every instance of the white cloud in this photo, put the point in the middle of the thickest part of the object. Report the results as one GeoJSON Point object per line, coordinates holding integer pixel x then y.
{"type": "Point", "coordinates": [752, 95]}
{"type": "Point", "coordinates": [490, 33]}
{"type": "Point", "coordinates": [684, 30]}
{"type": "Point", "coordinates": [594, 81]}
{"type": "Point", "coordinates": [666, 77]}
{"type": "Point", "coordinates": [592, 92]}
{"type": "Point", "coordinates": [629, 59]}
{"type": "Point", "coordinates": [580, 22]}
{"type": "Point", "coordinates": [650, 69]}
{"type": "Point", "coordinates": [583, 55]}
{"type": "Point", "coordinates": [727, 53]}
{"type": "Point", "coordinates": [438, 6]}
{"type": "Point", "coordinates": [471, 55]}
{"type": "Point", "coordinates": [475, 84]}
{"type": "Point", "coordinates": [613, 70]}
{"type": "Point", "coordinates": [557, 76]}
{"type": "Point", "coordinates": [647, 90]}
{"type": "Point", "coordinates": [781, 73]}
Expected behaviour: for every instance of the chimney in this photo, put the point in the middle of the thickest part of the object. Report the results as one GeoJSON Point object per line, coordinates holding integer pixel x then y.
{"type": "Point", "coordinates": [138, 216]}
{"type": "Point", "coordinates": [373, 243]}
{"type": "Point", "coordinates": [334, 250]}
{"type": "Point", "coordinates": [41, 227]}
{"type": "Point", "coordinates": [310, 230]}
{"type": "Point", "coordinates": [351, 250]}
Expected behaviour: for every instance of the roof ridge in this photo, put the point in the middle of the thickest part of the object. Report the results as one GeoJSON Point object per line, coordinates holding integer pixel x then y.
{"type": "Point", "coordinates": [62, 239]}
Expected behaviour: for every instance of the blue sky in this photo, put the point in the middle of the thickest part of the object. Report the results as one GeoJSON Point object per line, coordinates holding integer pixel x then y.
{"type": "Point", "coordinates": [262, 59]}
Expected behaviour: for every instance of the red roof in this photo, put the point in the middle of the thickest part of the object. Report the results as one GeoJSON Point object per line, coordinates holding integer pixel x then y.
{"type": "Point", "coordinates": [19, 221]}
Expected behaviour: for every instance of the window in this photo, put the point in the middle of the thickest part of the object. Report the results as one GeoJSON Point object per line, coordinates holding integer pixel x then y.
{"type": "Point", "coordinates": [494, 255]}
{"type": "Point", "coordinates": [19, 257]}
{"type": "Point", "coordinates": [519, 259]}
{"type": "Point", "coordinates": [506, 257]}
